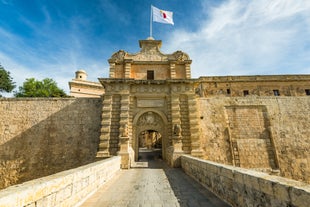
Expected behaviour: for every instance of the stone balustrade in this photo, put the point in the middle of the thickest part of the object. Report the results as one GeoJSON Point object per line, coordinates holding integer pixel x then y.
{"type": "Point", "coordinates": [243, 187]}
{"type": "Point", "coordinates": [67, 188]}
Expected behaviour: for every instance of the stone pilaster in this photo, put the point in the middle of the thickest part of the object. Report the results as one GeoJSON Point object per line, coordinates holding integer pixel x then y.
{"type": "Point", "coordinates": [175, 110]}
{"type": "Point", "coordinates": [188, 70]}
{"type": "Point", "coordinates": [124, 148]}
{"type": "Point", "coordinates": [127, 68]}
{"type": "Point", "coordinates": [176, 147]}
{"type": "Point", "coordinates": [194, 127]}
{"type": "Point", "coordinates": [172, 71]}
{"type": "Point", "coordinates": [112, 70]}
{"type": "Point", "coordinates": [104, 142]}
{"type": "Point", "coordinates": [115, 124]}
{"type": "Point", "coordinates": [169, 117]}
{"type": "Point", "coordinates": [124, 110]}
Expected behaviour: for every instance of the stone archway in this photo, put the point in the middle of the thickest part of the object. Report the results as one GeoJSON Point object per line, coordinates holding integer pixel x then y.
{"type": "Point", "coordinates": [149, 120]}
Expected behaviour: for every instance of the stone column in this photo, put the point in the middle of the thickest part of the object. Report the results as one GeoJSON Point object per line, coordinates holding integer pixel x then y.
{"type": "Point", "coordinates": [104, 142]}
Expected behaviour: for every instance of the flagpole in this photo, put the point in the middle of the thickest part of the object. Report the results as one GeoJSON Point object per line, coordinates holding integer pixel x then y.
{"type": "Point", "coordinates": [151, 23]}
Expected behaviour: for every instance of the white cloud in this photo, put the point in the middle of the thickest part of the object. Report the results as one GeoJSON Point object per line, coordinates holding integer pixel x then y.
{"type": "Point", "coordinates": [249, 37]}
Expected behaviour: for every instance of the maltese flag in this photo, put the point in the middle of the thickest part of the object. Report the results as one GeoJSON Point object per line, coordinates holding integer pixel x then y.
{"type": "Point", "coordinates": [162, 16]}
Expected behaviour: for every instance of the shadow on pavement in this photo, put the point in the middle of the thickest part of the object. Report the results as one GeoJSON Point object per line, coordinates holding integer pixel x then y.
{"type": "Point", "coordinates": [188, 191]}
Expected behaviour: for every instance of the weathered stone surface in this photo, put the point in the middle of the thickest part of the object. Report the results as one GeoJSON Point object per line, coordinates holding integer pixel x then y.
{"type": "Point", "coordinates": [246, 187]}
{"type": "Point", "coordinates": [39, 137]}
{"type": "Point", "coordinates": [66, 188]}
{"type": "Point", "coordinates": [256, 122]}
{"type": "Point", "coordinates": [270, 133]}
{"type": "Point", "coordinates": [235, 120]}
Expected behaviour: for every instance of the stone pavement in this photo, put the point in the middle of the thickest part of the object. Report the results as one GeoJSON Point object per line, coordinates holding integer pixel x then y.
{"type": "Point", "coordinates": [152, 184]}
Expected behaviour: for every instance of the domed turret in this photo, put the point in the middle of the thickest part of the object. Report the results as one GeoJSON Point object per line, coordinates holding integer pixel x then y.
{"type": "Point", "coordinates": [81, 75]}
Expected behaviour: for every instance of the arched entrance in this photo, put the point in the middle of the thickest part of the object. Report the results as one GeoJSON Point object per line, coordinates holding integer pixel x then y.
{"type": "Point", "coordinates": [150, 132]}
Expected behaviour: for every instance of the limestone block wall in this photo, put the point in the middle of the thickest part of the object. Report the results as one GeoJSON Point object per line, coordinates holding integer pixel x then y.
{"type": "Point", "coordinates": [262, 133]}
{"type": "Point", "coordinates": [286, 85]}
{"type": "Point", "coordinates": [241, 187]}
{"type": "Point", "coordinates": [42, 136]}
{"type": "Point", "coordinates": [161, 72]}
{"type": "Point", "coordinates": [67, 188]}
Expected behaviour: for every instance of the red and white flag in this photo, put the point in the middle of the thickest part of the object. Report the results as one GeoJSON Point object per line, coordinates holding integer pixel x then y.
{"type": "Point", "coordinates": [162, 16]}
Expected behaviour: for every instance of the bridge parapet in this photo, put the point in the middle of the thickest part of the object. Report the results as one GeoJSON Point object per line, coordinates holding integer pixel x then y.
{"type": "Point", "coordinates": [244, 187]}
{"type": "Point", "coordinates": [67, 188]}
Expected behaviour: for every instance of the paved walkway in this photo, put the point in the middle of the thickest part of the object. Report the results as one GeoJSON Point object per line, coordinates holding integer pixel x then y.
{"type": "Point", "coordinates": [155, 184]}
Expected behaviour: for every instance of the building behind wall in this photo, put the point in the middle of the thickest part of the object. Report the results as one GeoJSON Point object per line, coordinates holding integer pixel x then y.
{"type": "Point", "coordinates": [81, 87]}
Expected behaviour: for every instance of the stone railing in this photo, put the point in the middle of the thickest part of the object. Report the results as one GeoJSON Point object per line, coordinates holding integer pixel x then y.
{"type": "Point", "coordinates": [243, 187]}
{"type": "Point", "coordinates": [67, 188]}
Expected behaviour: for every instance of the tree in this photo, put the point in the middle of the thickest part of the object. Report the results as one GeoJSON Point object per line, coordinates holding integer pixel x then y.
{"type": "Point", "coordinates": [6, 81]}
{"type": "Point", "coordinates": [45, 88]}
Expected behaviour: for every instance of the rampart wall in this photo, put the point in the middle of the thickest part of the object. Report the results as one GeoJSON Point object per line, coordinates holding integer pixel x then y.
{"type": "Point", "coordinates": [42, 136]}
{"type": "Point", "coordinates": [241, 187]}
{"type": "Point", "coordinates": [261, 133]}
{"type": "Point", "coordinates": [39, 137]}
{"type": "Point", "coordinates": [67, 188]}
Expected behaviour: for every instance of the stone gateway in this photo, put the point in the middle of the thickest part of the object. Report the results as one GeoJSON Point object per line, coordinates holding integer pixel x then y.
{"type": "Point", "coordinates": [150, 102]}
{"type": "Point", "coordinates": [149, 92]}
{"type": "Point", "coordinates": [256, 122]}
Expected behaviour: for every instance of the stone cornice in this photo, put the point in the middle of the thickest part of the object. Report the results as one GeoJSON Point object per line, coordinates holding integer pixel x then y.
{"type": "Point", "coordinates": [85, 83]}
{"type": "Point", "coordinates": [145, 82]}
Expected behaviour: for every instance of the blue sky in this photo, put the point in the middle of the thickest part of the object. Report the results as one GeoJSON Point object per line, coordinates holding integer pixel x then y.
{"type": "Point", "coordinates": [54, 38]}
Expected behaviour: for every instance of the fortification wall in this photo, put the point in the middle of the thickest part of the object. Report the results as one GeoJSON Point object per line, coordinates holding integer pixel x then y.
{"type": "Point", "coordinates": [262, 133]}
{"type": "Point", "coordinates": [42, 136]}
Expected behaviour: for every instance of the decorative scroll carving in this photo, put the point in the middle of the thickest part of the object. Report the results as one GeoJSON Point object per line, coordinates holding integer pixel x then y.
{"type": "Point", "coordinates": [118, 56]}
{"type": "Point", "coordinates": [180, 56]}
{"type": "Point", "coordinates": [149, 118]}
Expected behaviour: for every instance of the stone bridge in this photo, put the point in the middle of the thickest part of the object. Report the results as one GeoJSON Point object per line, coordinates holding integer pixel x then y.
{"type": "Point", "coordinates": [152, 183]}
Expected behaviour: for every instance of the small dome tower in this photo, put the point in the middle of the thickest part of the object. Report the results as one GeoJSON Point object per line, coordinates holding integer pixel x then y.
{"type": "Point", "coordinates": [80, 75]}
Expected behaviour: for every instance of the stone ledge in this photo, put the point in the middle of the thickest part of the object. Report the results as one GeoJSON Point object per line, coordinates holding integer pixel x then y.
{"type": "Point", "coordinates": [244, 187]}
{"type": "Point", "coordinates": [66, 188]}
